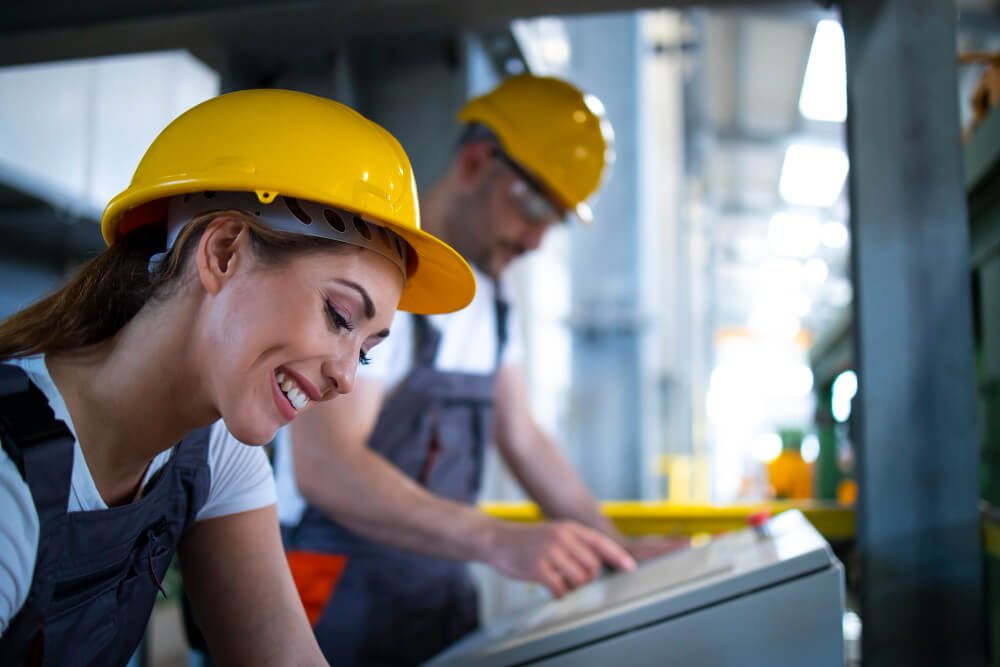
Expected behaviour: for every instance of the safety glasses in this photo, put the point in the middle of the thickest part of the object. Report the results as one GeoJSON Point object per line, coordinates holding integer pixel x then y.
{"type": "Point", "coordinates": [528, 195]}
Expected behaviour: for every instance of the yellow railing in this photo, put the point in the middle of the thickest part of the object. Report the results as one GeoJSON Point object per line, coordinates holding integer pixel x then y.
{"type": "Point", "coordinates": [835, 522]}
{"type": "Point", "coordinates": [991, 536]}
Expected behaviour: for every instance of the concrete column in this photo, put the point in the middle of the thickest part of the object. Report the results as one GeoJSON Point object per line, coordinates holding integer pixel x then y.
{"type": "Point", "coordinates": [918, 521]}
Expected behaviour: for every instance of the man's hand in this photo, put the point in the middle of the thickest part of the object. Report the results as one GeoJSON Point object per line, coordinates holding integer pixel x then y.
{"type": "Point", "coordinates": [560, 555]}
{"type": "Point", "coordinates": [650, 546]}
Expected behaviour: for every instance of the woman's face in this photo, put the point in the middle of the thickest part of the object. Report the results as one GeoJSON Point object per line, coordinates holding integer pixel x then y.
{"type": "Point", "coordinates": [281, 338]}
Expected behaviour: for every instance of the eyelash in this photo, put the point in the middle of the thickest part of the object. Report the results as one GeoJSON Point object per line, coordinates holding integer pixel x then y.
{"type": "Point", "coordinates": [338, 320]}
{"type": "Point", "coordinates": [341, 322]}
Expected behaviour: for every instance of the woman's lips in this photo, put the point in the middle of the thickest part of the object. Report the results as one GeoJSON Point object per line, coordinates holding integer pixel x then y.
{"type": "Point", "coordinates": [305, 385]}
{"type": "Point", "coordinates": [285, 409]}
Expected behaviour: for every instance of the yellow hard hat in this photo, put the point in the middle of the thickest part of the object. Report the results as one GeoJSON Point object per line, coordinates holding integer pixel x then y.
{"type": "Point", "coordinates": [280, 142]}
{"type": "Point", "coordinates": [552, 130]}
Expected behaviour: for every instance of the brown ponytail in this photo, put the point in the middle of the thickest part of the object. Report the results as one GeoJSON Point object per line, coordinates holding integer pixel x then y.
{"type": "Point", "coordinates": [110, 289]}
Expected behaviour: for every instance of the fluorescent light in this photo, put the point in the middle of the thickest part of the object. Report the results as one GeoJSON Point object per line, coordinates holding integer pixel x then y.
{"type": "Point", "coordinates": [793, 234]}
{"type": "Point", "coordinates": [809, 448]}
{"type": "Point", "coordinates": [845, 388]}
{"type": "Point", "coordinates": [797, 379]}
{"type": "Point", "coordinates": [767, 447]}
{"type": "Point", "coordinates": [824, 89]}
{"type": "Point", "coordinates": [780, 272]}
{"type": "Point", "coordinates": [779, 325]}
{"type": "Point", "coordinates": [834, 235]}
{"type": "Point", "coordinates": [813, 175]}
{"type": "Point", "coordinates": [544, 43]}
{"type": "Point", "coordinates": [817, 271]}
{"type": "Point", "coordinates": [839, 291]}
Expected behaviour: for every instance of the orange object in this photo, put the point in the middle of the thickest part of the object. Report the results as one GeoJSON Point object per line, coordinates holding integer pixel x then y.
{"type": "Point", "coordinates": [986, 95]}
{"type": "Point", "coordinates": [316, 576]}
{"type": "Point", "coordinates": [790, 476]}
{"type": "Point", "coordinates": [847, 492]}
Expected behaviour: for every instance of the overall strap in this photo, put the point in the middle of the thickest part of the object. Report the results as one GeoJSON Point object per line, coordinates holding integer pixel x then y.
{"type": "Point", "coordinates": [426, 341]}
{"type": "Point", "coordinates": [42, 448]}
{"type": "Point", "coordinates": [502, 309]}
{"type": "Point", "coordinates": [428, 338]}
{"type": "Point", "coordinates": [39, 444]}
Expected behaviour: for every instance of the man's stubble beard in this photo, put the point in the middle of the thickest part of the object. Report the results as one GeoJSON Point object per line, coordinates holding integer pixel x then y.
{"type": "Point", "coordinates": [465, 225]}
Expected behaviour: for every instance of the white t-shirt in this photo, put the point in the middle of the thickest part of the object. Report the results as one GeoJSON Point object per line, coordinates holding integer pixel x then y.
{"type": "Point", "coordinates": [241, 480]}
{"type": "Point", "coordinates": [468, 345]}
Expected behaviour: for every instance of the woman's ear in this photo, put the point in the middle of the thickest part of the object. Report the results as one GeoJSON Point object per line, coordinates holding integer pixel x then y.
{"type": "Point", "coordinates": [222, 246]}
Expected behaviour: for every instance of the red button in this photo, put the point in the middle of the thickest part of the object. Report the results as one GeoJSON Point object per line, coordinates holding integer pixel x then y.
{"type": "Point", "coordinates": [758, 519]}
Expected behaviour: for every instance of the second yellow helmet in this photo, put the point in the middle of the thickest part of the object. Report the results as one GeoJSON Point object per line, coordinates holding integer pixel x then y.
{"type": "Point", "coordinates": [552, 130]}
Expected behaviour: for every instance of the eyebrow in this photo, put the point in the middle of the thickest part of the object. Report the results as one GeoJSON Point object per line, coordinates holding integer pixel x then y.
{"type": "Point", "coordinates": [369, 306]}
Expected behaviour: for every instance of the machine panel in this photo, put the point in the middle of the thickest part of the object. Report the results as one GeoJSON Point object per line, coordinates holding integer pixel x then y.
{"type": "Point", "coordinates": [773, 592]}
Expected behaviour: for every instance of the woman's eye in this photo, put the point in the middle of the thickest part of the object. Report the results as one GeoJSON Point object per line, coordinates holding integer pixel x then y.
{"type": "Point", "coordinates": [337, 319]}
{"type": "Point", "coordinates": [364, 359]}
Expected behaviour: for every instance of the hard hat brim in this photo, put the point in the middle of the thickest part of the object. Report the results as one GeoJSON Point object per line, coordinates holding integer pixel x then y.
{"type": "Point", "coordinates": [443, 282]}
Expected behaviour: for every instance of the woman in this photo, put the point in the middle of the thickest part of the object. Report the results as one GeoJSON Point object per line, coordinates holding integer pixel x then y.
{"type": "Point", "coordinates": [259, 253]}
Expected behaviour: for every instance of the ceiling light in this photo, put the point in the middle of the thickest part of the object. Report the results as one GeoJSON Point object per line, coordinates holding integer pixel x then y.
{"type": "Point", "coordinates": [834, 235]}
{"type": "Point", "coordinates": [767, 447]}
{"type": "Point", "coordinates": [809, 449]}
{"type": "Point", "coordinates": [813, 175]}
{"type": "Point", "coordinates": [824, 88]}
{"type": "Point", "coordinates": [781, 325]}
{"type": "Point", "coordinates": [845, 388]}
{"type": "Point", "coordinates": [817, 271]}
{"type": "Point", "coordinates": [793, 234]}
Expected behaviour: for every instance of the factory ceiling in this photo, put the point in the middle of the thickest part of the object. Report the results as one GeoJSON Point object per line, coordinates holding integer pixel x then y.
{"type": "Point", "coordinates": [63, 29]}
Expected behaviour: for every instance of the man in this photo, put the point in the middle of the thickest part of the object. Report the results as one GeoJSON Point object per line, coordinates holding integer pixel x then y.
{"type": "Point", "coordinates": [390, 472]}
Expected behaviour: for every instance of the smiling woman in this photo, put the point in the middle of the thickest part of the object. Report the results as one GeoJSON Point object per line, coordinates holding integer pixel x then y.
{"type": "Point", "coordinates": [258, 256]}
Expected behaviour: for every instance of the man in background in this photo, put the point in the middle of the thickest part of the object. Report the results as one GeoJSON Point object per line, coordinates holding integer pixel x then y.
{"type": "Point", "coordinates": [377, 489]}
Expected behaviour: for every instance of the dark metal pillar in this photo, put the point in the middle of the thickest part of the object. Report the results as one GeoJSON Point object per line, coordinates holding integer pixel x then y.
{"type": "Point", "coordinates": [918, 523]}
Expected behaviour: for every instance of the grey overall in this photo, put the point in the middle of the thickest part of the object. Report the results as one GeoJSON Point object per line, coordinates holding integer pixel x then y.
{"type": "Point", "coordinates": [96, 573]}
{"type": "Point", "coordinates": [393, 607]}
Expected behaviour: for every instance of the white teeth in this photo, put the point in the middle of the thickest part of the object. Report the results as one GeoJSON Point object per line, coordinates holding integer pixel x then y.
{"type": "Point", "coordinates": [295, 395]}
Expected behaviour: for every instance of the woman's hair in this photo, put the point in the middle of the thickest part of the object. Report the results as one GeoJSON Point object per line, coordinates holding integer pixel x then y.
{"type": "Point", "coordinates": [110, 289]}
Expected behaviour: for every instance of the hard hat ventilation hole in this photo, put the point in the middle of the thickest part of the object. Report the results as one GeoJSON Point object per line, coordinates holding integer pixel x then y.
{"type": "Point", "coordinates": [385, 236]}
{"type": "Point", "coordinates": [296, 208]}
{"type": "Point", "coordinates": [362, 228]}
{"type": "Point", "coordinates": [335, 220]}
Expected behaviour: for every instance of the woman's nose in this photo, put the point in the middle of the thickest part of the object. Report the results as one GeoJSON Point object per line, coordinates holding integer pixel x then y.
{"type": "Point", "coordinates": [341, 372]}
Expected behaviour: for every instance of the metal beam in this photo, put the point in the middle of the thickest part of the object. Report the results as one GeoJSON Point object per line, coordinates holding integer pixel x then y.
{"type": "Point", "coordinates": [40, 32]}
{"type": "Point", "coordinates": [918, 522]}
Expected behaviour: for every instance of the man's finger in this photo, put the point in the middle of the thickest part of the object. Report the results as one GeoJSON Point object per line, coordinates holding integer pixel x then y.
{"type": "Point", "coordinates": [585, 556]}
{"type": "Point", "coordinates": [552, 580]}
{"type": "Point", "coordinates": [609, 550]}
{"type": "Point", "coordinates": [567, 565]}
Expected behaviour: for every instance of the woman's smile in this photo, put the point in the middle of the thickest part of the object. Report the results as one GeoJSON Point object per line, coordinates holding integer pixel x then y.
{"type": "Point", "coordinates": [292, 393]}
